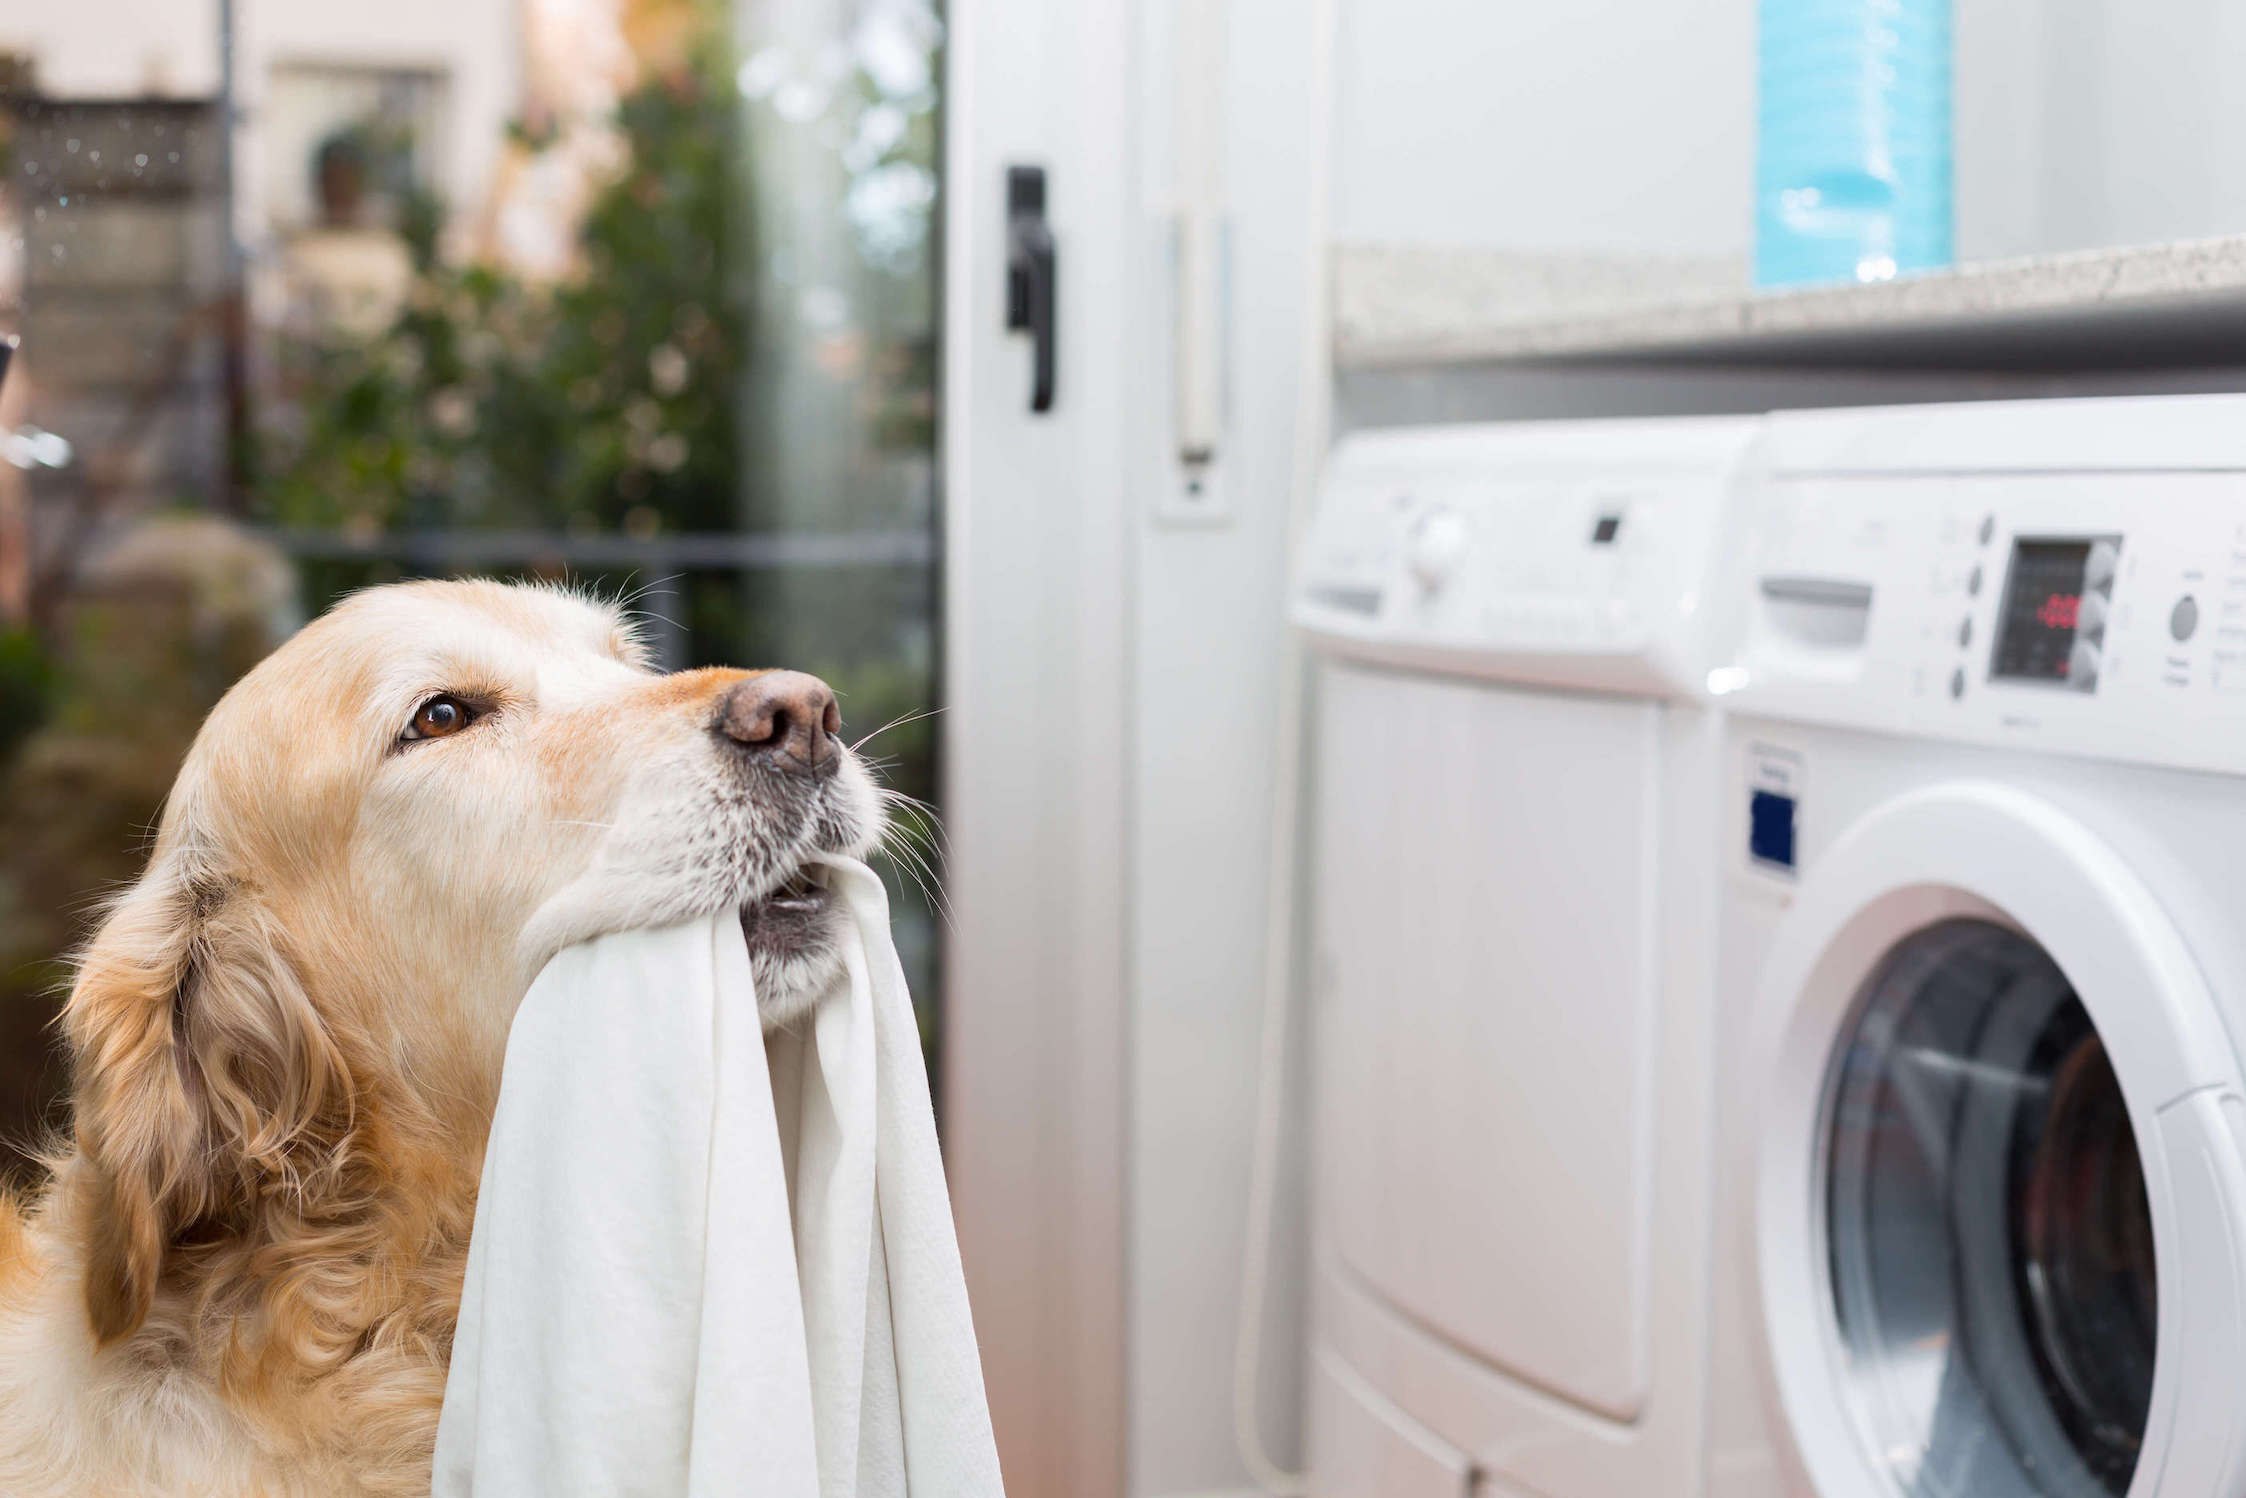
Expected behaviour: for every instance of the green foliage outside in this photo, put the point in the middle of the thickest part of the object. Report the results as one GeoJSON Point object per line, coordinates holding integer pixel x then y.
{"type": "Point", "coordinates": [603, 403]}
{"type": "Point", "coordinates": [610, 402]}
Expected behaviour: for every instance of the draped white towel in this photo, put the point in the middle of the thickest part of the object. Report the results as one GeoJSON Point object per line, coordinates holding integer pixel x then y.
{"type": "Point", "coordinates": [711, 1263]}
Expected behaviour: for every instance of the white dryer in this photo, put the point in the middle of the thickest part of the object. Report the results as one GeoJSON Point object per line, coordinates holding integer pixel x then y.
{"type": "Point", "coordinates": [1983, 1125]}
{"type": "Point", "coordinates": [1512, 955]}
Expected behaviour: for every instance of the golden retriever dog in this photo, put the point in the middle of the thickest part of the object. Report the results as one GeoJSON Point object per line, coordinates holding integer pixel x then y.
{"type": "Point", "coordinates": [243, 1275]}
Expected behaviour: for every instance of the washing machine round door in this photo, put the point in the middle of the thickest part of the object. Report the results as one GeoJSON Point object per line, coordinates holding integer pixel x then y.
{"type": "Point", "coordinates": [2001, 1199]}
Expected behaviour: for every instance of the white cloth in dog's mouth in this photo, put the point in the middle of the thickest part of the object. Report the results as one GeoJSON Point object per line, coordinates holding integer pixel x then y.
{"type": "Point", "coordinates": [708, 1263]}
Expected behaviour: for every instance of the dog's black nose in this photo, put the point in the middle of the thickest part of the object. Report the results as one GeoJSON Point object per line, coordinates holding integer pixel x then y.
{"type": "Point", "coordinates": [786, 718]}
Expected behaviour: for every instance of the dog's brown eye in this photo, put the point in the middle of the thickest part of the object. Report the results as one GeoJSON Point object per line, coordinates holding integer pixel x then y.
{"type": "Point", "coordinates": [438, 717]}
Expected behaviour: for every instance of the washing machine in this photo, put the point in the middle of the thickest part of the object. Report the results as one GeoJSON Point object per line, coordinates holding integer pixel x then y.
{"type": "Point", "coordinates": [1511, 955]}
{"type": "Point", "coordinates": [1983, 969]}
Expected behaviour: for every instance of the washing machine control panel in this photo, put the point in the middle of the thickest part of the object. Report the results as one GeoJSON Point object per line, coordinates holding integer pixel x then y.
{"type": "Point", "coordinates": [1574, 553]}
{"type": "Point", "coordinates": [2083, 611]}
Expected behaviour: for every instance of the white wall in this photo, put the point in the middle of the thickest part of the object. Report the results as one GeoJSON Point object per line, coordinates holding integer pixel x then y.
{"type": "Point", "coordinates": [1626, 127]}
{"type": "Point", "coordinates": [1622, 126]}
{"type": "Point", "coordinates": [2086, 123]}
{"type": "Point", "coordinates": [1207, 631]}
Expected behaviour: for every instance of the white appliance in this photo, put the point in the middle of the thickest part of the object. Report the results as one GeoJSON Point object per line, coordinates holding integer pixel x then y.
{"type": "Point", "coordinates": [1511, 937]}
{"type": "Point", "coordinates": [1983, 969]}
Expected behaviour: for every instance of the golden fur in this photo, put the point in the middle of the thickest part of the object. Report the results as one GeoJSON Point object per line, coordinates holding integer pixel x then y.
{"type": "Point", "coordinates": [243, 1275]}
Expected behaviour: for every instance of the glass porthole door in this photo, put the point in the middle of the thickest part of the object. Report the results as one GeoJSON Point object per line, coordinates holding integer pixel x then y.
{"type": "Point", "coordinates": [1990, 1244]}
{"type": "Point", "coordinates": [2000, 1194]}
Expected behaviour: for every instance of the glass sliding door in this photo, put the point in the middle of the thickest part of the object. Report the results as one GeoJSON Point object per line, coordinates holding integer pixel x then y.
{"type": "Point", "coordinates": [637, 294]}
{"type": "Point", "coordinates": [839, 395]}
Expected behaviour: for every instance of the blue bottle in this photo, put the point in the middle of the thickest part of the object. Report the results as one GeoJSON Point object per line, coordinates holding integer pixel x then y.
{"type": "Point", "coordinates": [1852, 152]}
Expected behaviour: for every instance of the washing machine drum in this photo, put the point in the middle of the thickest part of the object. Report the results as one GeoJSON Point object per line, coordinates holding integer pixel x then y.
{"type": "Point", "coordinates": [1989, 1239]}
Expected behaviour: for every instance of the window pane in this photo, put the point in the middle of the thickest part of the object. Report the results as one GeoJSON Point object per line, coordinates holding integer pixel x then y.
{"type": "Point", "coordinates": [640, 295]}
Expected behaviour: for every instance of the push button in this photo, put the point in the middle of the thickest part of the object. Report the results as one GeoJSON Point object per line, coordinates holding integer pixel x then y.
{"type": "Point", "coordinates": [2082, 666]}
{"type": "Point", "coordinates": [2183, 619]}
{"type": "Point", "coordinates": [2099, 567]}
{"type": "Point", "coordinates": [1770, 828]}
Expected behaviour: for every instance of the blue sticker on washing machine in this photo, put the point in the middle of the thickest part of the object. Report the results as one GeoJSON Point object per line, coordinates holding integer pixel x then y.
{"type": "Point", "coordinates": [1774, 794]}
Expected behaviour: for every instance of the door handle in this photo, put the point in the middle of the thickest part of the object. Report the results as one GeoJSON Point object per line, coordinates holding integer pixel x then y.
{"type": "Point", "coordinates": [1029, 276]}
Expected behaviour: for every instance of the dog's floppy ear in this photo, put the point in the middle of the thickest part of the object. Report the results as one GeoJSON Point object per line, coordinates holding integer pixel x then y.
{"type": "Point", "coordinates": [203, 1079]}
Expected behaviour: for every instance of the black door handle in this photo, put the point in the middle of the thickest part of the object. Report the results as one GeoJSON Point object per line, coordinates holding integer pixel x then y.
{"type": "Point", "coordinates": [1029, 276]}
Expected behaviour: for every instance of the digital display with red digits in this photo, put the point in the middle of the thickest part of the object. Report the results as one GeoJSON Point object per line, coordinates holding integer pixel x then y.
{"type": "Point", "coordinates": [2042, 609]}
{"type": "Point", "coordinates": [2059, 611]}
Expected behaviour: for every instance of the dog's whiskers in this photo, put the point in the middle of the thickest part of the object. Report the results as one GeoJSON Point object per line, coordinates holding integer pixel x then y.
{"type": "Point", "coordinates": [894, 723]}
{"type": "Point", "coordinates": [913, 843]}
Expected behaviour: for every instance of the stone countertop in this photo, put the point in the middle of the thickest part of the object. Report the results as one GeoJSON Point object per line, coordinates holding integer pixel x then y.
{"type": "Point", "coordinates": [2181, 304]}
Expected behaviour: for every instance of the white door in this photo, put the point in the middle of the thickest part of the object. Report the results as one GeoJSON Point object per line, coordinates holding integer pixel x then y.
{"type": "Point", "coordinates": [2000, 1198]}
{"type": "Point", "coordinates": [1114, 683]}
{"type": "Point", "coordinates": [1035, 738]}
{"type": "Point", "coordinates": [1491, 983]}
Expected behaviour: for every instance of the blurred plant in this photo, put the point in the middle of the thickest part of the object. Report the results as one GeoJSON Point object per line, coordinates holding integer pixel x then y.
{"type": "Point", "coordinates": [605, 402]}
{"type": "Point", "coordinates": [100, 709]}
{"type": "Point", "coordinates": [377, 154]}
{"type": "Point", "coordinates": [859, 111]}
{"type": "Point", "coordinates": [26, 680]}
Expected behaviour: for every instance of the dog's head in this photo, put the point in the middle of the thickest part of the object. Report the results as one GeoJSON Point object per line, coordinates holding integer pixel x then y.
{"type": "Point", "coordinates": [380, 835]}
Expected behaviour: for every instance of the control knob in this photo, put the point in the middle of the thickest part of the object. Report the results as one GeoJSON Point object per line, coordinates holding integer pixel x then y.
{"type": "Point", "coordinates": [1438, 545]}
